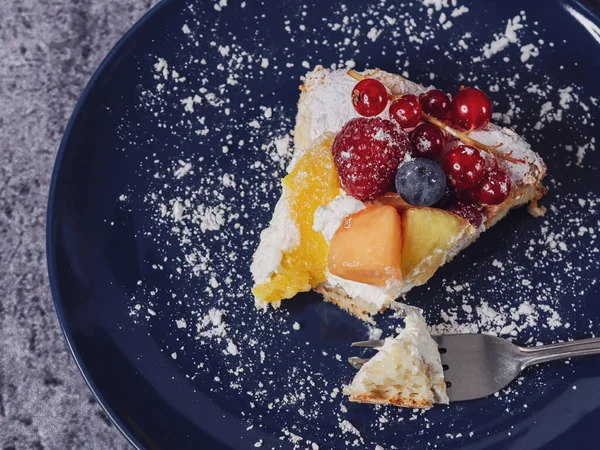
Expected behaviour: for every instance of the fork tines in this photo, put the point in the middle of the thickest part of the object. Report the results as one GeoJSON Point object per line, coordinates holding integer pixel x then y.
{"type": "Point", "coordinates": [357, 362]}
{"type": "Point", "coordinates": [368, 344]}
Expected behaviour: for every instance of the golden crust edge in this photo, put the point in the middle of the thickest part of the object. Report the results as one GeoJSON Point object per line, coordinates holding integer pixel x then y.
{"type": "Point", "coordinates": [395, 401]}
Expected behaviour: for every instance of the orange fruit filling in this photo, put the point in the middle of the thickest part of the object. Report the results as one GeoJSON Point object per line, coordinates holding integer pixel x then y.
{"type": "Point", "coordinates": [312, 183]}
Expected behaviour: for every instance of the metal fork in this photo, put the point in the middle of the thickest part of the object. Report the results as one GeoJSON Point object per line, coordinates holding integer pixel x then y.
{"type": "Point", "coordinates": [478, 365]}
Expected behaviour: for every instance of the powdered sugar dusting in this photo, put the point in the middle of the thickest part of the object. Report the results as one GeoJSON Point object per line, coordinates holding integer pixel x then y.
{"type": "Point", "coordinates": [209, 178]}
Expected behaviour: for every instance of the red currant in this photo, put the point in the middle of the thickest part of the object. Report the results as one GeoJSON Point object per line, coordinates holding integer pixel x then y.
{"type": "Point", "coordinates": [427, 141]}
{"type": "Point", "coordinates": [471, 109]}
{"type": "Point", "coordinates": [494, 188]}
{"type": "Point", "coordinates": [464, 166]}
{"type": "Point", "coordinates": [406, 111]}
{"type": "Point", "coordinates": [435, 103]}
{"type": "Point", "coordinates": [468, 210]}
{"type": "Point", "coordinates": [369, 97]}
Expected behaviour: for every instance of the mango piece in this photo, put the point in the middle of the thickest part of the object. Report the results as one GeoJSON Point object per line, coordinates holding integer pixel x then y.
{"type": "Point", "coordinates": [367, 247]}
{"type": "Point", "coordinates": [429, 233]}
{"type": "Point", "coordinates": [313, 182]}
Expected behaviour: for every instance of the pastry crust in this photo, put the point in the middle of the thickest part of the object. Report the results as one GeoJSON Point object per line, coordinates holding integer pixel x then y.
{"type": "Point", "coordinates": [406, 402]}
{"type": "Point", "coordinates": [356, 306]}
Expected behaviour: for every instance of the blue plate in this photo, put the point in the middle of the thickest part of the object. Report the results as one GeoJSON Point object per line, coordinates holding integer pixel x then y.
{"type": "Point", "coordinates": [167, 173]}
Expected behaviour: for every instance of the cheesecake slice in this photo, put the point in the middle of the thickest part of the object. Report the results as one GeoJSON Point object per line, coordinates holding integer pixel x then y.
{"type": "Point", "coordinates": [406, 371]}
{"type": "Point", "coordinates": [369, 256]}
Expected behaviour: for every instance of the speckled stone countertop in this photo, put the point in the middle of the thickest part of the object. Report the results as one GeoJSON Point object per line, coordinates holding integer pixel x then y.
{"type": "Point", "coordinates": [48, 51]}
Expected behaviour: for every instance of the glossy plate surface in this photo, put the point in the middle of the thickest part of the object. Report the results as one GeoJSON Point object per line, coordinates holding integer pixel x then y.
{"type": "Point", "coordinates": [168, 172]}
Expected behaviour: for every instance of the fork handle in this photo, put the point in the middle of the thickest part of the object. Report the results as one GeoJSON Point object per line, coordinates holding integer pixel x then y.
{"type": "Point", "coordinates": [562, 350]}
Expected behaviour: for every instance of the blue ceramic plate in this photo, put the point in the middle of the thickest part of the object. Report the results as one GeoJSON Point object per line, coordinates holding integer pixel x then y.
{"type": "Point", "coordinates": [168, 171]}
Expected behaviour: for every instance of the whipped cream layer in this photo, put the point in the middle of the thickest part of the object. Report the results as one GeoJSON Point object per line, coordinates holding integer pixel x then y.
{"type": "Point", "coordinates": [329, 218]}
{"type": "Point", "coordinates": [280, 236]}
{"type": "Point", "coordinates": [376, 295]}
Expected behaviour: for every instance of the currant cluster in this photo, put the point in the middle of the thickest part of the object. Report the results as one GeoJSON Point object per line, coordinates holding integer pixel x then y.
{"type": "Point", "coordinates": [458, 179]}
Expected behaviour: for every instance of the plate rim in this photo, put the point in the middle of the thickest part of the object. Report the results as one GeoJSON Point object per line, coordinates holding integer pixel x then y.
{"type": "Point", "coordinates": [583, 6]}
{"type": "Point", "coordinates": [50, 260]}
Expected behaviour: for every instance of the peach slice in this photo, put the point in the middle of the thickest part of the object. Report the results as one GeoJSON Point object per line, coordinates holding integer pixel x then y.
{"type": "Point", "coordinates": [428, 234]}
{"type": "Point", "coordinates": [392, 199]}
{"type": "Point", "coordinates": [367, 247]}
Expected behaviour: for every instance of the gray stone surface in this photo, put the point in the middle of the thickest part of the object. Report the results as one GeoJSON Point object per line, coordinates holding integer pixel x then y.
{"type": "Point", "coordinates": [48, 51]}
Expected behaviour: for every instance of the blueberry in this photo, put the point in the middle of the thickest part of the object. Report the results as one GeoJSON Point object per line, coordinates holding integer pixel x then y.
{"type": "Point", "coordinates": [421, 182]}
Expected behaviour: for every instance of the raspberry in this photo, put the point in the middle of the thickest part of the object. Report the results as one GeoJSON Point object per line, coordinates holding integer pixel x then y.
{"type": "Point", "coordinates": [367, 153]}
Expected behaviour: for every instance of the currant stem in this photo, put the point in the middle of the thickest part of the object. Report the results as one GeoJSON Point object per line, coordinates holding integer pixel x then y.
{"type": "Point", "coordinates": [464, 137]}
{"type": "Point", "coordinates": [376, 70]}
{"type": "Point", "coordinates": [358, 77]}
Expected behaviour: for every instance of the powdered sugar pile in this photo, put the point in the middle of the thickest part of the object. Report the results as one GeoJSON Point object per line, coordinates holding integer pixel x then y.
{"type": "Point", "coordinates": [209, 188]}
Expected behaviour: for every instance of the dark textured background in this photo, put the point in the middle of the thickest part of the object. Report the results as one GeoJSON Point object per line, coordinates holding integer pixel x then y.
{"type": "Point", "coordinates": [48, 51]}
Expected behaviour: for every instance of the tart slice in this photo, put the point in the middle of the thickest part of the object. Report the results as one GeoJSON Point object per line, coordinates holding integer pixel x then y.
{"type": "Point", "coordinates": [406, 371]}
{"type": "Point", "coordinates": [389, 180]}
